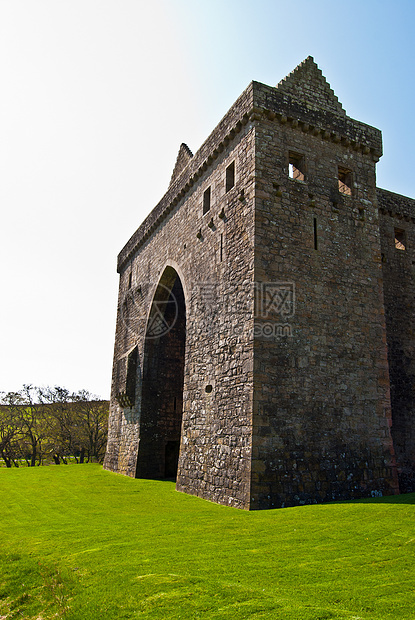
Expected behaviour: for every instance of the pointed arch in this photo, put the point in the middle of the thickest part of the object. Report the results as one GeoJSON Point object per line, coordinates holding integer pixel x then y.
{"type": "Point", "coordinates": [163, 378]}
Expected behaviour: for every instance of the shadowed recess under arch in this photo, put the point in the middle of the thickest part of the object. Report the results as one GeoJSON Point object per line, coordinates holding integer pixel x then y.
{"type": "Point", "coordinates": [162, 385]}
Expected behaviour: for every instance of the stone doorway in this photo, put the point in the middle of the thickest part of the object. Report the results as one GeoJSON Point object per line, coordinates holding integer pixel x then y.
{"type": "Point", "coordinates": [162, 383]}
{"type": "Point", "coordinates": [171, 459]}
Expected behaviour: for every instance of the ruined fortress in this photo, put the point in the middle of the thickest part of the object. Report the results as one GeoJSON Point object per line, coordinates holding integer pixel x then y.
{"type": "Point", "coordinates": [264, 352]}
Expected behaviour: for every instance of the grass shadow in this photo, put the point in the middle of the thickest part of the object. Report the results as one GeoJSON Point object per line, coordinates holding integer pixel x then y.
{"type": "Point", "coordinates": [404, 498]}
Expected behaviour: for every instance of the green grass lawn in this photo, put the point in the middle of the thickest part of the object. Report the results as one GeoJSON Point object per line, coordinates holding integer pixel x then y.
{"type": "Point", "coordinates": [81, 543]}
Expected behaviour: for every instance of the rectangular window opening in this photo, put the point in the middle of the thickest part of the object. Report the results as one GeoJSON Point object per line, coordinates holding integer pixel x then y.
{"type": "Point", "coordinates": [345, 181]}
{"type": "Point", "coordinates": [230, 176]}
{"type": "Point", "coordinates": [206, 201]}
{"type": "Point", "coordinates": [296, 166]}
{"type": "Point", "coordinates": [400, 241]}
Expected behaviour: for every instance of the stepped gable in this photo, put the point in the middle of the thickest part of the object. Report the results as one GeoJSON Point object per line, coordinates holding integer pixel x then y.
{"type": "Point", "coordinates": [183, 157]}
{"type": "Point", "coordinates": [308, 85]}
{"type": "Point", "coordinates": [304, 98]}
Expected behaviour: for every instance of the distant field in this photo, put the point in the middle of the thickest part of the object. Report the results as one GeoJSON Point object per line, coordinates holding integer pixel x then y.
{"type": "Point", "coordinates": [80, 543]}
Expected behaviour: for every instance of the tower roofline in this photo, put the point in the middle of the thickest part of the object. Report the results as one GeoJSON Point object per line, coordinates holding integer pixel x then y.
{"type": "Point", "coordinates": [307, 83]}
{"type": "Point", "coordinates": [285, 104]}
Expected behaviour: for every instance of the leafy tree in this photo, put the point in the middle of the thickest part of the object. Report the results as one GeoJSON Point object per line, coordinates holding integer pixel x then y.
{"type": "Point", "coordinates": [78, 423]}
{"type": "Point", "coordinates": [29, 416]}
{"type": "Point", "coordinates": [9, 433]}
{"type": "Point", "coordinates": [62, 433]}
{"type": "Point", "coordinates": [36, 423]}
{"type": "Point", "coordinates": [92, 418]}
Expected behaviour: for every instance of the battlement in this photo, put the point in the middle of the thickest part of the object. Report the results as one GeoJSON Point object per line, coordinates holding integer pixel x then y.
{"type": "Point", "coordinates": [396, 205]}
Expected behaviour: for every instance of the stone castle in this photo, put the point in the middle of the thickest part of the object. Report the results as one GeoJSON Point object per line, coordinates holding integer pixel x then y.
{"type": "Point", "coordinates": [264, 352]}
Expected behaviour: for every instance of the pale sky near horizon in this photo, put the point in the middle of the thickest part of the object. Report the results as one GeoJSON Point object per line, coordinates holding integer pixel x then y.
{"type": "Point", "coordinates": [96, 98]}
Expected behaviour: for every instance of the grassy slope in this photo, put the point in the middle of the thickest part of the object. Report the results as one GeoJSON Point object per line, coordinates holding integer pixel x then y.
{"type": "Point", "coordinates": [86, 544]}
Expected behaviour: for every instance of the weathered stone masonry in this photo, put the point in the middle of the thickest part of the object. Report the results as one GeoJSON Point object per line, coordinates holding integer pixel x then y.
{"type": "Point", "coordinates": [265, 315]}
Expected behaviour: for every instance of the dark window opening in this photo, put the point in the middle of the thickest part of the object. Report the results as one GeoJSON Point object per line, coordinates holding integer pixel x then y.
{"type": "Point", "coordinates": [230, 176]}
{"type": "Point", "coordinates": [315, 234]}
{"type": "Point", "coordinates": [206, 201]}
{"type": "Point", "coordinates": [400, 241]}
{"type": "Point", "coordinates": [345, 181]}
{"type": "Point", "coordinates": [296, 167]}
{"type": "Point", "coordinates": [221, 247]}
{"type": "Point", "coordinates": [130, 279]}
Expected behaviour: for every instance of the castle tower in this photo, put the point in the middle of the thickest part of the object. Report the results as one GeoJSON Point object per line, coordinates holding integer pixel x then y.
{"type": "Point", "coordinates": [250, 357]}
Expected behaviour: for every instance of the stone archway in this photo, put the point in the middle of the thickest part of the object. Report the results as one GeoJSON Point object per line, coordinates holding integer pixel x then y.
{"type": "Point", "coordinates": [162, 381]}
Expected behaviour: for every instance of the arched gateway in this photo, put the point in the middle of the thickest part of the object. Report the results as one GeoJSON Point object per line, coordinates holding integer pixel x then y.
{"type": "Point", "coordinates": [162, 380]}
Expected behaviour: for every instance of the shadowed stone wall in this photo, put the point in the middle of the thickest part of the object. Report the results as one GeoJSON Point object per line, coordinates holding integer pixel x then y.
{"type": "Point", "coordinates": [397, 218]}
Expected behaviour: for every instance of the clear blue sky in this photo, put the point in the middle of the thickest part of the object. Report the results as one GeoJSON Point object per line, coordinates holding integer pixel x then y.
{"type": "Point", "coordinates": [96, 97]}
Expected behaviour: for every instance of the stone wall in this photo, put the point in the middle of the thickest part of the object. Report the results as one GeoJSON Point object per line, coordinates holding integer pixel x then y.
{"type": "Point", "coordinates": [397, 219]}
{"type": "Point", "coordinates": [321, 386]}
{"type": "Point", "coordinates": [212, 254]}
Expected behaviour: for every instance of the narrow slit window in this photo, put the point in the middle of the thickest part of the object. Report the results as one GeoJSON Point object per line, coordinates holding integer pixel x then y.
{"type": "Point", "coordinates": [296, 167]}
{"type": "Point", "coordinates": [345, 181]}
{"type": "Point", "coordinates": [400, 241]}
{"type": "Point", "coordinates": [130, 277]}
{"type": "Point", "coordinates": [230, 176]}
{"type": "Point", "coordinates": [131, 377]}
{"type": "Point", "coordinates": [315, 233]}
{"type": "Point", "coordinates": [206, 201]}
